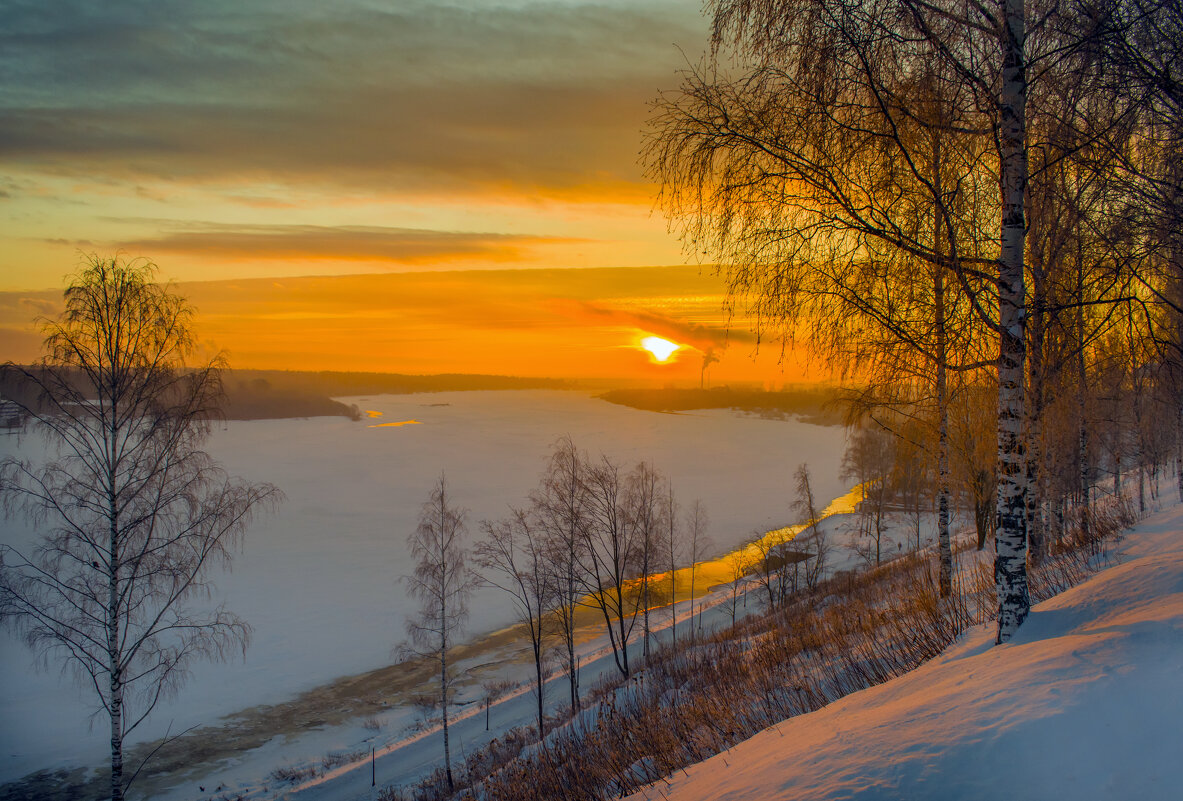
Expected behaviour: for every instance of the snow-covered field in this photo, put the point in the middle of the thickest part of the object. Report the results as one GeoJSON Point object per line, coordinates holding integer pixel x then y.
{"type": "Point", "coordinates": [318, 581]}
{"type": "Point", "coordinates": [1084, 703]}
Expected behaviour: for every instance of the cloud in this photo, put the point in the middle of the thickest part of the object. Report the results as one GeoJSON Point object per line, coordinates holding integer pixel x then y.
{"type": "Point", "coordinates": [706, 339]}
{"type": "Point", "coordinates": [545, 97]}
{"type": "Point", "coordinates": [40, 306]}
{"type": "Point", "coordinates": [404, 245]}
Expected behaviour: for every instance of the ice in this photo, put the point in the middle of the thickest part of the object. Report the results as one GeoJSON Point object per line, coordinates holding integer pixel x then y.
{"type": "Point", "coordinates": [318, 581]}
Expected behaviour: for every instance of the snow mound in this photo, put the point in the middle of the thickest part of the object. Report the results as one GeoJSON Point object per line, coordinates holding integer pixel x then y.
{"type": "Point", "coordinates": [1084, 703]}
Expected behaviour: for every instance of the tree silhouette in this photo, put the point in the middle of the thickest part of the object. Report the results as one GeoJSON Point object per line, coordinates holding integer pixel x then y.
{"type": "Point", "coordinates": [133, 513]}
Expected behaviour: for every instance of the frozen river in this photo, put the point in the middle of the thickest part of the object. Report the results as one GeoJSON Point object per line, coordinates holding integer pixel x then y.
{"type": "Point", "coordinates": [319, 579]}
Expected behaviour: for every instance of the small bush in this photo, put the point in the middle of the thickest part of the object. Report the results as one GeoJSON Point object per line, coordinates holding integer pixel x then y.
{"type": "Point", "coordinates": [293, 774]}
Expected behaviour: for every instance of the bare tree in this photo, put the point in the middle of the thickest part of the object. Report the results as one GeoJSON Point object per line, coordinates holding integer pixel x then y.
{"type": "Point", "coordinates": [610, 553]}
{"type": "Point", "coordinates": [644, 510]}
{"type": "Point", "coordinates": [811, 536]}
{"type": "Point", "coordinates": [442, 584]}
{"type": "Point", "coordinates": [773, 556]}
{"type": "Point", "coordinates": [700, 545]}
{"type": "Point", "coordinates": [868, 460]}
{"type": "Point", "coordinates": [134, 513]}
{"type": "Point", "coordinates": [840, 179]}
{"type": "Point", "coordinates": [910, 480]}
{"type": "Point", "coordinates": [562, 505]}
{"type": "Point", "coordinates": [738, 563]}
{"type": "Point", "coordinates": [513, 558]}
{"type": "Point", "coordinates": [672, 541]}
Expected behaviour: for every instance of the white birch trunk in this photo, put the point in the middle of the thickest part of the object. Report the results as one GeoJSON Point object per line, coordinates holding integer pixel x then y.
{"type": "Point", "coordinates": [944, 544]}
{"type": "Point", "coordinates": [1010, 540]}
{"type": "Point", "coordinates": [1179, 449]}
{"type": "Point", "coordinates": [444, 708]}
{"type": "Point", "coordinates": [114, 666]}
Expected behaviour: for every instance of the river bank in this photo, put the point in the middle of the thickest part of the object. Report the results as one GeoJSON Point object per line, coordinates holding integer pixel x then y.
{"type": "Point", "coordinates": [324, 729]}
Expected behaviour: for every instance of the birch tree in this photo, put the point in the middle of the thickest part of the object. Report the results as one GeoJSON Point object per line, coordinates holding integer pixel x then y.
{"type": "Point", "coordinates": [838, 182]}
{"type": "Point", "coordinates": [562, 505]}
{"type": "Point", "coordinates": [868, 459]}
{"type": "Point", "coordinates": [611, 552]}
{"type": "Point", "coordinates": [672, 543]}
{"type": "Point", "coordinates": [442, 584]}
{"type": "Point", "coordinates": [513, 557]}
{"type": "Point", "coordinates": [699, 541]}
{"type": "Point", "coordinates": [811, 536]}
{"type": "Point", "coordinates": [644, 517]}
{"type": "Point", "coordinates": [133, 514]}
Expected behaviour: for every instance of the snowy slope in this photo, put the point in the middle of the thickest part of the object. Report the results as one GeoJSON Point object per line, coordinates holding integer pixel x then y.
{"type": "Point", "coordinates": [1085, 703]}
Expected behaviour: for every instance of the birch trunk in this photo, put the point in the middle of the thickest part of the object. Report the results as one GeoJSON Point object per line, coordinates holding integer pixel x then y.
{"type": "Point", "coordinates": [1034, 452]}
{"type": "Point", "coordinates": [116, 696]}
{"type": "Point", "coordinates": [541, 688]}
{"type": "Point", "coordinates": [1179, 449]}
{"type": "Point", "coordinates": [1010, 540]}
{"type": "Point", "coordinates": [444, 708]}
{"type": "Point", "coordinates": [944, 545]}
{"type": "Point", "coordinates": [114, 554]}
{"type": "Point", "coordinates": [1082, 376]}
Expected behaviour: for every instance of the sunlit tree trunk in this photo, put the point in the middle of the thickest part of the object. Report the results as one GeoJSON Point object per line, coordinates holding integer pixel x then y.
{"type": "Point", "coordinates": [1085, 484]}
{"type": "Point", "coordinates": [1010, 538]}
{"type": "Point", "coordinates": [1179, 447]}
{"type": "Point", "coordinates": [944, 544]}
{"type": "Point", "coordinates": [1034, 408]}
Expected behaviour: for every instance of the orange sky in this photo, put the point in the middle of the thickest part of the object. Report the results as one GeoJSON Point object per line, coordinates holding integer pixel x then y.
{"type": "Point", "coordinates": [364, 186]}
{"type": "Point", "coordinates": [574, 323]}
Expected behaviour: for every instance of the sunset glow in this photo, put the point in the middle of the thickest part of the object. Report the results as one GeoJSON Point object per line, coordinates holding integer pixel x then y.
{"type": "Point", "coordinates": [661, 349]}
{"type": "Point", "coordinates": [325, 208]}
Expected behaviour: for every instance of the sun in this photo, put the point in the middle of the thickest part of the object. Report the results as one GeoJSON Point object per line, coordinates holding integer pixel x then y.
{"type": "Point", "coordinates": [661, 349]}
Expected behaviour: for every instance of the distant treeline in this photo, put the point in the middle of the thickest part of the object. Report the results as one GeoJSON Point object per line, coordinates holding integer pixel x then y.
{"type": "Point", "coordinates": [280, 394]}
{"type": "Point", "coordinates": [337, 384]}
{"type": "Point", "coordinates": [812, 405]}
{"type": "Point", "coordinates": [269, 394]}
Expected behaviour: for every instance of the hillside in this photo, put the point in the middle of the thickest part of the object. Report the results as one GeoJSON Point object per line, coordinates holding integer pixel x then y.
{"type": "Point", "coordinates": [1084, 703]}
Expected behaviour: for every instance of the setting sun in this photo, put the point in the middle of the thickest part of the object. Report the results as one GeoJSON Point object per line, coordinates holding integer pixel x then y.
{"type": "Point", "coordinates": [661, 349]}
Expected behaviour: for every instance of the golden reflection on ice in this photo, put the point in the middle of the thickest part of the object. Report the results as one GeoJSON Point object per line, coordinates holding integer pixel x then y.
{"type": "Point", "coordinates": [370, 413]}
{"type": "Point", "coordinates": [395, 425]}
{"type": "Point", "coordinates": [722, 570]}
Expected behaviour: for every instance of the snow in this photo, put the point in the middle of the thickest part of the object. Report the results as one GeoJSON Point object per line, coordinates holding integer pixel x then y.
{"type": "Point", "coordinates": [403, 760]}
{"type": "Point", "coordinates": [1083, 703]}
{"type": "Point", "coordinates": [318, 581]}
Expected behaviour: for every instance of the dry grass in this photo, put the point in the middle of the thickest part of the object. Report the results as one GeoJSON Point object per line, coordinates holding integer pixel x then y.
{"type": "Point", "coordinates": [855, 631]}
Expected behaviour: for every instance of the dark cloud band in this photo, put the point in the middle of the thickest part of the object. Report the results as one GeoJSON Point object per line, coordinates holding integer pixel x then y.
{"type": "Point", "coordinates": [418, 97]}
{"type": "Point", "coordinates": [404, 245]}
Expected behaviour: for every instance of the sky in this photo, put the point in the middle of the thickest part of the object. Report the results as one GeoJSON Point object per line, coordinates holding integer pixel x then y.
{"type": "Point", "coordinates": [264, 153]}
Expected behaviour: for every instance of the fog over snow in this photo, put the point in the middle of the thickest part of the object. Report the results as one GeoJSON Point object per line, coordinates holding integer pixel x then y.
{"type": "Point", "coordinates": [318, 580]}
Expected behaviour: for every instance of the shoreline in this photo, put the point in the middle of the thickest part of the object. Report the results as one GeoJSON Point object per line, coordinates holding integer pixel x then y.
{"type": "Point", "coordinates": [192, 756]}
